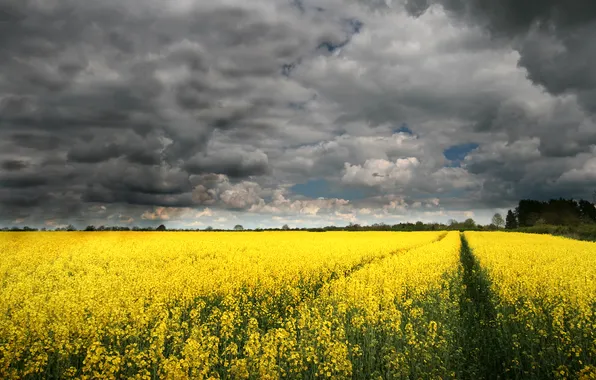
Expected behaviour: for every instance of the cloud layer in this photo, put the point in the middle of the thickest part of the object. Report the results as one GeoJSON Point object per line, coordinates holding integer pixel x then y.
{"type": "Point", "coordinates": [275, 111]}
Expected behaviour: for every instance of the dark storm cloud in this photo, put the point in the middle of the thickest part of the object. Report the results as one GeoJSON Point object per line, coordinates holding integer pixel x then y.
{"type": "Point", "coordinates": [234, 163]}
{"type": "Point", "coordinates": [106, 196]}
{"type": "Point", "coordinates": [511, 17]}
{"type": "Point", "coordinates": [137, 149]}
{"type": "Point", "coordinates": [38, 141]}
{"type": "Point", "coordinates": [554, 38]}
{"type": "Point", "coordinates": [123, 93]}
{"type": "Point", "coordinates": [12, 201]}
{"type": "Point", "coordinates": [22, 181]}
{"type": "Point", "coordinates": [14, 165]}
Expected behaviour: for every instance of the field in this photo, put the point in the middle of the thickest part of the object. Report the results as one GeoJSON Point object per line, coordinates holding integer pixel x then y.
{"type": "Point", "coordinates": [269, 305]}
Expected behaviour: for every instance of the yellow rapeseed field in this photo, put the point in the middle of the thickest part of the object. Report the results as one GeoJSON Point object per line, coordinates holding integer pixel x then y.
{"type": "Point", "coordinates": [296, 305]}
{"type": "Point", "coordinates": [396, 318]}
{"type": "Point", "coordinates": [174, 305]}
{"type": "Point", "coordinates": [544, 303]}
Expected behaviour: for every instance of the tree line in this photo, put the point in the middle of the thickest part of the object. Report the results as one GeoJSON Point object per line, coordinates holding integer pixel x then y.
{"type": "Point", "coordinates": [468, 224]}
{"type": "Point", "coordinates": [554, 212]}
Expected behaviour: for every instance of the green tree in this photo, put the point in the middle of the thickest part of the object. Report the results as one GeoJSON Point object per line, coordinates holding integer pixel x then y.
{"type": "Point", "coordinates": [238, 227]}
{"type": "Point", "coordinates": [587, 211]}
{"type": "Point", "coordinates": [498, 220]}
{"type": "Point", "coordinates": [469, 223]}
{"type": "Point", "coordinates": [510, 221]}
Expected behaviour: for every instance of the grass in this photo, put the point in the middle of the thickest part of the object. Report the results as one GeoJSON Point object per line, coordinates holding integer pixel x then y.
{"type": "Point", "coordinates": [586, 232]}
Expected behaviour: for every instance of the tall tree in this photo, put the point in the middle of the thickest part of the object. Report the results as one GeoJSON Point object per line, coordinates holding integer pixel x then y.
{"type": "Point", "coordinates": [498, 220]}
{"type": "Point", "coordinates": [469, 223]}
{"type": "Point", "coordinates": [587, 211]}
{"type": "Point", "coordinates": [528, 212]}
{"type": "Point", "coordinates": [238, 227]}
{"type": "Point", "coordinates": [561, 212]}
{"type": "Point", "coordinates": [510, 221]}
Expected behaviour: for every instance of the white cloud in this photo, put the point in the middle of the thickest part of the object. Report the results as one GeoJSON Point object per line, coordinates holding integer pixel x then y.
{"type": "Point", "coordinates": [583, 175]}
{"type": "Point", "coordinates": [166, 213]}
{"type": "Point", "coordinates": [382, 173]}
{"type": "Point", "coordinates": [206, 212]}
{"type": "Point", "coordinates": [280, 204]}
{"type": "Point", "coordinates": [242, 195]}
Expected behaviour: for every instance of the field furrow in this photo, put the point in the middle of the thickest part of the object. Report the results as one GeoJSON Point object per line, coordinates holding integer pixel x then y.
{"type": "Point", "coordinates": [479, 332]}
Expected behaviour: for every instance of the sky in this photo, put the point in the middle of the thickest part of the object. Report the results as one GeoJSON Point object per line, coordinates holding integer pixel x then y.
{"type": "Point", "coordinates": [196, 113]}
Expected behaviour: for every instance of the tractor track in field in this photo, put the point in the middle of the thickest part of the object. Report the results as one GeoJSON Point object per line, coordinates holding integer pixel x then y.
{"type": "Point", "coordinates": [267, 322]}
{"type": "Point", "coordinates": [270, 313]}
{"type": "Point", "coordinates": [310, 293]}
{"type": "Point", "coordinates": [373, 260]}
{"type": "Point", "coordinates": [314, 293]}
{"type": "Point", "coordinates": [481, 339]}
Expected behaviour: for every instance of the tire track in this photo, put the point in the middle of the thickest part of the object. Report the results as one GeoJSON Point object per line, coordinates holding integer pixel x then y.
{"type": "Point", "coordinates": [280, 309]}
{"type": "Point", "coordinates": [310, 294]}
{"type": "Point", "coordinates": [481, 341]}
{"type": "Point", "coordinates": [373, 260]}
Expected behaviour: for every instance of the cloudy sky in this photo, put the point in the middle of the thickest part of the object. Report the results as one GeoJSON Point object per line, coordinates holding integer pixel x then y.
{"type": "Point", "coordinates": [264, 112]}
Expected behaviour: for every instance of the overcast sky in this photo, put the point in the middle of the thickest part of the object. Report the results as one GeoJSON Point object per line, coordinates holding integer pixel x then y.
{"type": "Point", "coordinates": [264, 112]}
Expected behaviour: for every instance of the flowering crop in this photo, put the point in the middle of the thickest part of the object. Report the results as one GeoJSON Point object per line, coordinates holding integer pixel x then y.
{"type": "Point", "coordinates": [544, 296]}
{"type": "Point", "coordinates": [396, 318]}
{"type": "Point", "coordinates": [201, 305]}
{"type": "Point", "coordinates": [272, 305]}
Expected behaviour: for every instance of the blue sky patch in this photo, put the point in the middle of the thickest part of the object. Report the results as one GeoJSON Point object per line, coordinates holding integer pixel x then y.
{"type": "Point", "coordinates": [354, 25]}
{"type": "Point", "coordinates": [403, 129]}
{"type": "Point", "coordinates": [330, 46]}
{"type": "Point", "coordinates": [459, 152]}
{"type": "Point", "coordinates": [287, 68]}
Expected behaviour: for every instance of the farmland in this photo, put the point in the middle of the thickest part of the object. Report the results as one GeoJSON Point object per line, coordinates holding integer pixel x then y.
{"type": "Point", "coordinates": [296, 305]}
